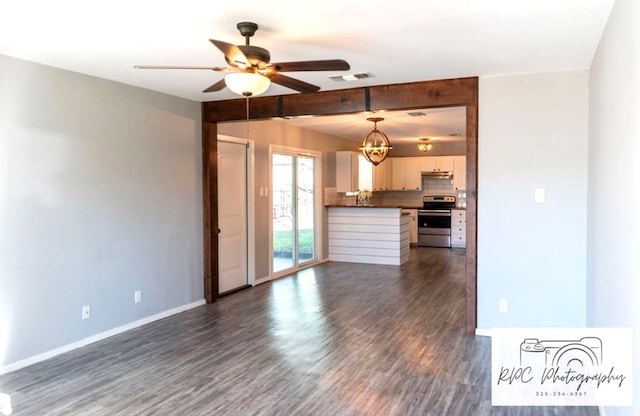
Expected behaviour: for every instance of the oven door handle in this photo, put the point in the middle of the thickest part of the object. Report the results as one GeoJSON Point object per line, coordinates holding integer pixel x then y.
{"type": "Point", "coordinates": [436, 213]}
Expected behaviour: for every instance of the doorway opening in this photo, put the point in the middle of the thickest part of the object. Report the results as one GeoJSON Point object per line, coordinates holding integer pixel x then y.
{"type": "Point", "coordinates": [424, 94]}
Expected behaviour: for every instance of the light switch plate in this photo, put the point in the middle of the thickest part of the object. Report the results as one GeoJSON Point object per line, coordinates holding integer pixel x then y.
{"type": "Point", "coordinates": [539, 195]}
{"type": "Point", "coordinates": [86, 312]}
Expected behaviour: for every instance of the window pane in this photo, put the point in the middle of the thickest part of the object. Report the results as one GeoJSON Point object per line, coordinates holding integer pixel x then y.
{"type": "Point", "coordinates": [305, 214]}
{"type": "Point", "coordinates": [283, 212]}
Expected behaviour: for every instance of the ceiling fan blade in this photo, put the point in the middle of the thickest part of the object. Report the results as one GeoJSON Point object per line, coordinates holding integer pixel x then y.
{"type": "Point", "coordinates": [233, 54]}
{"type": "Point", "coordinates": [216, 87]}
{"type": "Point", "coordinates": [294, 84]}
{"type": "Point", "coordinates": [212, 68]}
{"type": "Point", "coordinates": [323, 65]}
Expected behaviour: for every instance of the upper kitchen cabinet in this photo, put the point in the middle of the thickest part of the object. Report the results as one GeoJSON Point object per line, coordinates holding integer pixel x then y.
{"type": "Point", "coordinates": [365, 174]}
{"type": "Point", "coordinates": [413, 173]}
{"type": "Point", "coordinates": [382, 176]}
{"type": "Point", "coordinates": [347, 171]}
{"type": "Point", "coordinates": [460, 172]}
{"type": "Point", "coordinates": [405, 173]}
{"type": "Point", "coordinates": [353, 172]}
{"type": "Point", "coordinates": [398, 173]}
{"type": "Point", "coordinates": [437, 164]}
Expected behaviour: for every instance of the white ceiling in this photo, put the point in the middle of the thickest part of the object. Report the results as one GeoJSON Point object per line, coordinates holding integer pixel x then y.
{"type": "Point", "coordinates": [414, 40]}
{"type": "Point", "coordinates": [437, 124]}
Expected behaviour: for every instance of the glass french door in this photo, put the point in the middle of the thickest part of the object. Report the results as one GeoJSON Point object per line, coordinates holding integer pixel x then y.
{"type": "Point", "coordinates": [294, 218]}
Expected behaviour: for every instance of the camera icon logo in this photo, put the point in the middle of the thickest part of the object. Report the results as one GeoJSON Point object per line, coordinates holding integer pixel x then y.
{"type": "Point", "coordinates": [586, 352]}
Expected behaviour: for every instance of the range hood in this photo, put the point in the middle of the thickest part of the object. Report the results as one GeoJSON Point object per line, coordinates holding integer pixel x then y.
{"type": "Point", "coordinates": [436, 174]}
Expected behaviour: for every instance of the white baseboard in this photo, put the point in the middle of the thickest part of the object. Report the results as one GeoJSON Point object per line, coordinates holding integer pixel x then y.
{"type": "Point", "coordinates": [483, 332]}
{"type": "Point", "coordinates": [95, 338]}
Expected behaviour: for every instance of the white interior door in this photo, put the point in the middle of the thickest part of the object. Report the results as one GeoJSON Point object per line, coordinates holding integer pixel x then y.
{"type": "Point", "coordinates": [232, 216]}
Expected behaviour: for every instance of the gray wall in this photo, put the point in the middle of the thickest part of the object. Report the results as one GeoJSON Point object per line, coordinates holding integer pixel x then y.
{"type": "Point", "coordinates": [532, 133]}
{"type": "Point", "coordinates": [613, 268]}
{"type": "Point", "coordinates": [264, 134]}
{"type": "Point", "coordinates": [100, 196]}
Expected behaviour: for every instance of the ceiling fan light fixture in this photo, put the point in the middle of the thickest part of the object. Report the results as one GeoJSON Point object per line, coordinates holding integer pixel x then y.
{"type": "Point", "coordinates": [247, 84]}
{"type": "Point", "coordinates": [375, 146]}
{"type": "Point", "coordinates": [423, 145]}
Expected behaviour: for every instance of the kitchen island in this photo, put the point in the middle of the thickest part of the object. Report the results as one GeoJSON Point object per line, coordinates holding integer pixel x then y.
{"type": "Point", "coordinates": [368, 234]}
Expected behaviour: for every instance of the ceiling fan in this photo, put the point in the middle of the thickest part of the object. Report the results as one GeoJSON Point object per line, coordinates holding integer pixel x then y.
{"type": "Point", "coordinates": [251, 71]}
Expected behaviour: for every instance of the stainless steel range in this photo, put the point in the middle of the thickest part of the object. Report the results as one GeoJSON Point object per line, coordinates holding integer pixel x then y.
{"type": "Point", "coordinates": [434, 221]}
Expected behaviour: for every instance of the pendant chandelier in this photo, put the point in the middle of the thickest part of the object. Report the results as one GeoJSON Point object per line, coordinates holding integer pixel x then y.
{"type": "Point", "coordinates": [424, 145]}
{"type": "Point", "coordinates": [375, 146]}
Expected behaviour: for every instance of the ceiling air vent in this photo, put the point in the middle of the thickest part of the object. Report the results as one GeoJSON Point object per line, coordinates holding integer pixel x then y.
{"type": "Point", "coordinates": [351, 77]}
{"type": "Point", "coordinates": [416, 114]}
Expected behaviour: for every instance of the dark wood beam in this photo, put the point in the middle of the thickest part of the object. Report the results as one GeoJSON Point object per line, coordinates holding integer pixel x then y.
{"type": "Point", "coordinates": [471, 286]}
{"type": "Point", "coordinates": [210, 209]}
{"type": "Point", "coordinates": [440, 93]}
{"type": "Point", "coordinates": [320, 103]}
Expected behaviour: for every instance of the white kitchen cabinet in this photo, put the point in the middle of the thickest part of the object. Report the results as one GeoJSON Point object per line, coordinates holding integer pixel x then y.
{"type": "Point", "coordinates": [437, 164]}
{"type": "Point", "coordinates": [406, 173]}
{"type": "Point", "coordinates": [460, 172]}
{"type": "Point", "coordinates": [458, 228]}
{"type": "Point", "coordinates": [382, 176]}
{"type": "Point", "coordinates": [347, 171]}
{"type": "Point", "coordinates": [413, 173]}
{"type": "Point", "coordinates": [353, 172]}
{"type": "Point", "coordinates": [365, 174]}
{"type": "Point", "coordinates": [398, 173]}
{"type": "Point", "coordinates": [413, 225]}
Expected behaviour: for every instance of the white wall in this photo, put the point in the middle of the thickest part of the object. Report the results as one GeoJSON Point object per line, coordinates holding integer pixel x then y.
{"type": "Point", "coordinates": [100, 195]}
{"type": "Point", "coordinates": [532, 134]}
{"type": "Point", "coordinates": [613, 286]}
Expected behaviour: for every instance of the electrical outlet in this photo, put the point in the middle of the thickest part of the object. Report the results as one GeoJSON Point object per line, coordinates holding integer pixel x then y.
{"type": "Point", "coordinates": [86, 312]}
{"type": "Point", "coordinates": [137, 296]}
{"type": "Point", "coordinates": [503, 305]}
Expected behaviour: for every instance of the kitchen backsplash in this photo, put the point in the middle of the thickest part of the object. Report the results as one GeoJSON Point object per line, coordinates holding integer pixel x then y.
{"type": "Point", "coordinates": [402, 198]}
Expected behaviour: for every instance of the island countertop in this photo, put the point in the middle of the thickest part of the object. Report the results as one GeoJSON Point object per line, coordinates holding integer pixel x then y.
{"type": "Point", "coordinates": [368, 206]}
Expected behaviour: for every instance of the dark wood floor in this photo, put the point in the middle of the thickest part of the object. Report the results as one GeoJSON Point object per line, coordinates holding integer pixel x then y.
{"type": "Point", "coordinates": [336, 339]}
